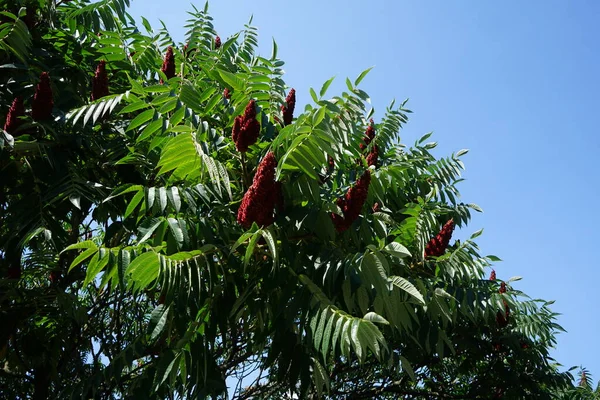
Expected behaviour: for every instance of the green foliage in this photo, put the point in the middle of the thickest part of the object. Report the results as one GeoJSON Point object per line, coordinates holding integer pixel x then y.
{"type": "Point", "coordinates": [137, 279]}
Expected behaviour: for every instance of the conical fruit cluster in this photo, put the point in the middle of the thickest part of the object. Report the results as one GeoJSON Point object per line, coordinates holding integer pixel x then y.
{"type": "Point", "coordinates": [369, 136]}
{"type": "Point", "coordinates": [43, 101]}
{"type": "Point", "coordinates": [373, 156]}
{"type": "Point", "coordinates": [258, 204]}
{"type": "Point", "coordinates": [502, 318]}
{"type": "Point", "coordinates": [437, 245]}
{"type": "Point", "coordinates": [246, 128]}
{"type": "Point", "coordinates": [168, 67]}
{"type": "Point", "coordinates": [16, 110]}
{"type": "Point", "coordinates": [100, 82]}
{"type": "Point", "coordinates": [352, 203]}
{"type": "Point", "coordinates": [288, 108]}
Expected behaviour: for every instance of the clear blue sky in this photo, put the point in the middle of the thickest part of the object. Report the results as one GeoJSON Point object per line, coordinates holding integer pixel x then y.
{"type": "Point", "coordinates": [517, 82]}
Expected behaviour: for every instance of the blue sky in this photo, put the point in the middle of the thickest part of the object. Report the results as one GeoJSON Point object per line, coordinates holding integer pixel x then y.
{"type": "Point", "coordinates": [516, 82]}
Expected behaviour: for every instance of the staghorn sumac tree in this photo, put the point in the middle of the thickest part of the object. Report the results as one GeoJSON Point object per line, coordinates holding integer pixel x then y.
{"type": "Point", "coordinates": [170, 223]}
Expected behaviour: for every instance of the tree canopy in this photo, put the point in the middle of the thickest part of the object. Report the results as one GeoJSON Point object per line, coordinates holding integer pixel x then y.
{"type": "Point", "coordinates": [172, 226]}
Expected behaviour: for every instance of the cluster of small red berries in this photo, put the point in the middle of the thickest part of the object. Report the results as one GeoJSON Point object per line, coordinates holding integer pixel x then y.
{"type": "Point", "coordinates": [100, 82]}
{"type": "Point", "coordinates": [288, 107]}
{"type": "Point", "coordinates": [352, 203]}
{"type": "Point", "coordinates": [246, 128]}
{"type": "Point", "coordinates": [262, 196]}
{"type": "Point", "coordinates": [13, 120]}
{"type": "Point", "coordinates": [43, 101]}
{"type": "Point", "coordinates": [502, 318]}
{"type": "Point", "coordinates": [369, 136]}
{"type": "Point", "coordinates": [438, 244]}
{"type": "Point", "coordinates": [217, 42]}
{"type": "Point", "coordinates": [373, 155]}
{"type": "Point", "coordinates": [168, 66]}
{"type": "Point", "coordinates": [226, 94]}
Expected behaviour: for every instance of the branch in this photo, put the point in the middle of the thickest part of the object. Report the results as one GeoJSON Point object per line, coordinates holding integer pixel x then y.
{"type": "Point", "coordinates": [396, 388]}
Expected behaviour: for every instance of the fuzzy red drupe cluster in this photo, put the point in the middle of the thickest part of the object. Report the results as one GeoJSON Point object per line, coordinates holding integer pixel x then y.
{"type": "Point", "coordinates": [372, 157]}
{"type": "Point", "coordinates": [100, 82]}
{"type": "Point", "coordinates": [437, 245]}
{"type": "Point", "coordinates": [16, 110]}
{"type": "Point", "coordinates": [262, 196]}
{"type": "Point", "coordinates": [288, 107]}
{"type": "Point", "coordinates": [168, 66]}
{"type": "Point", "coordinates": [43, 101]}
{"type": "Point", "coordinates": [246, 128]}
{"type": "Point", "coordinates": [503, 317]}
{"type": "Point", "coordinates": [352, 203]}
{"type": "Point", "coordinates": [369, 136]}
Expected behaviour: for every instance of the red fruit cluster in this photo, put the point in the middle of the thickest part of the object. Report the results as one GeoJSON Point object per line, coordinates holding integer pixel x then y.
{"type": "Point", "coordinates": [217, 42]}
{"type": "Point", "coordinates": [502, 318]}
{"type": "Point", "coordinates": [437, 245]}
{"type": "Point", "coordinates": [502, 289]}
{"type": "Point", "coordinates": [262, 196]}
{"type": "Point", "coordinates": [288, 108]}
{"type": "Point", "coordinates": [493, 275]}
{"type": "Point", "coordinates": [369, 136]}
{"type": "Point", "coordinates": [16, 110]}
{"type": "Point", "coordinates": [373, 155]}
{"type": "Point", "coordinates": [100, 82]}
{"type": "Point", "coordinates": [226, 94]}
{"type": "Point", "coordinates": [43, 101]}
{"type": "Point", "coordinates": [246, 128]}
{"type": "Point", "coordinates": [376, 207]}
{"type": "Point", "coordinates": [168, 67]}
{"type": "Point", "coordinates": [352, 203]}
